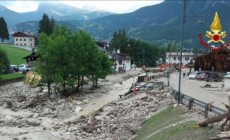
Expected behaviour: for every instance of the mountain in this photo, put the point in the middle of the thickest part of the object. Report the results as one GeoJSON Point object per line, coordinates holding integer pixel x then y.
{"type": "Point", "coordinates": [57, 11]}
{"type": "Point", "coordinates": [158, 23]}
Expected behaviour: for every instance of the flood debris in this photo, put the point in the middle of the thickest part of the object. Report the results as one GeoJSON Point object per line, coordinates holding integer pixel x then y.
{"type": "Point", "coordinates": [223, 117]}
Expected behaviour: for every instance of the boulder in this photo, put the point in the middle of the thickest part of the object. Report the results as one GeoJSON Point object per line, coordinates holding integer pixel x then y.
{"type": "Point", "coordinates": [78, 109]}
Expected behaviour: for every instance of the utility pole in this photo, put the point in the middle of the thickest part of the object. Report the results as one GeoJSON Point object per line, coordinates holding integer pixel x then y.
{"type": "Point", "coordinates": [169, 63]}
{"type": "Point", "coordinates": [181, 48]}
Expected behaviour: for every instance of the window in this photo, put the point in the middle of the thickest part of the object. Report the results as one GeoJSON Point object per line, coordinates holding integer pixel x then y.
{"type": "Point", "coordinates": [25, 44]}
{"type": "Point", "coordinates": [20, 39]}
{"type": "Point", "coordinates": [16, 39]}
{"type": "Point", "coordinates": [31, 44]}
{"type": "Point", "coordinates": [174, 58]}
{"type": "Point", "coordinates": [24, 39]}
{"type": "Point", "coordinates": [31, 39]}
{"type": "Point", "coordinates": [120, 62]}
{"type": "Point", "coordinates": [186, 58]}
{"type": "Point", "coordinates": [179, 58]}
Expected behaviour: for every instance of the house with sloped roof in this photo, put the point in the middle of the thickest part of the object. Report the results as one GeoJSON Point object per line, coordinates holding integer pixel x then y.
{"type": "Point", "coordinates": [121, 62]}
{"type": "Point", "coordinates": [27, 39]}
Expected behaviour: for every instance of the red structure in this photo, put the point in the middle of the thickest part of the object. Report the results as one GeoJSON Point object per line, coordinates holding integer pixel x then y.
{"type": "Point", "coordinates": [218, 61]}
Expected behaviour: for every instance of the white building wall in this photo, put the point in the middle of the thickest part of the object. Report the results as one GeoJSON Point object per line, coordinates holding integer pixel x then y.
{"type": "Point", "coordinates": [126, 62]}
{"type": "Point", "coordinates": [24, 41]}
{"type": "Point", "coordinates": [173, 58]}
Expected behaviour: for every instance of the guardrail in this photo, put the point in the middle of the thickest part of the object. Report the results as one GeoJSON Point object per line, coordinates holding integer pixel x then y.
{"type": "Point", "coordinates": [201, 104]}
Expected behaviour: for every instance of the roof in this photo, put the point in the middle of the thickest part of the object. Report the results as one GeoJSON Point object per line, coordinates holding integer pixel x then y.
{"type": "Point", "coordinates": [119, 56]}
{"type": "Point", "coordinates": [24, 34]}
{"type": "Point", "coordinates": [178, 53]}
{"type": "Point", "coordinates": [210, 53]}
{"type": "Point", "coordinates": [30, 56]}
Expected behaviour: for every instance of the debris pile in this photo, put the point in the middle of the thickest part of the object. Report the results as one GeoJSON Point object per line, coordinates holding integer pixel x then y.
{"type": "Point", "coordinates": [120, 119]}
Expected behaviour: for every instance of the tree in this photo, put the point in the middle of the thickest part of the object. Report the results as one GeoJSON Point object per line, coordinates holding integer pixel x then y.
{"type": "Point", "coordinates": [67, 57]}
{"type": "Point", "coordinates": [4, 34]}
{"type": "Point", "coordinates": [120, 41]}
{"type": "Point", "coordinates": [4, 61]}
{"type": "Point", "coordinates": [46, 25]}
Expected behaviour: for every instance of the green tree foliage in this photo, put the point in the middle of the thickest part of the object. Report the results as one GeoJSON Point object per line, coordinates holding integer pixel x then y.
{"type": "Point", "coordinates": [46, 25]}
{"type": "Point", "coordinates": [67, 57]}
{"type": "Point", "coordinates": [4, 34]}
{"type": "Point", "coordinates": [120, 41]}
{"type": "Point", "coordinates": [4, 62]}
{"type": "Point", "coordinates": [143, 53]}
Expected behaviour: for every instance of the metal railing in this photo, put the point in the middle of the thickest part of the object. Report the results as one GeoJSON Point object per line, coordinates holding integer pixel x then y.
{"type": "Point", "coordinates": [201, 104]}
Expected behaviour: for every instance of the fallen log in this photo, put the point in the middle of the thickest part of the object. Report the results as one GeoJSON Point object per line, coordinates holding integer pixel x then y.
{"type": "Point", "coordinates": [214, 119]}
{"type": "Point", "coordinates": [220, 138]}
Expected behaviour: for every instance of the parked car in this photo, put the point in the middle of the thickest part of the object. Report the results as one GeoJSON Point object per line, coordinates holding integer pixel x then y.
{"type": "Point", "coordinates": [24, 68]}
{"type": "Point", "coordinates": [213, 77]}
{"type": "Point", "coordinates": [202, 75]}
{"type": "Point", "coordinates": [193, 75]}
{"type": "Point", "coordinates": [13, 68]}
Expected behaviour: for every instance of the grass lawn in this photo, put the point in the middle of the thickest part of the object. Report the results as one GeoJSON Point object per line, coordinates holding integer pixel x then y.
{"type": "Point", "coordinates": [11, 76]}
{"type": "Point", "coordinates": [14, 54]}
{"type": "Point", "coordinates": [165, 126]}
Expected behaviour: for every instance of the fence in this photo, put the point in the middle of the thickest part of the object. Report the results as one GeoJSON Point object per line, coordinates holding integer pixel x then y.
{"type": "Point", "coordinates": [206, 106]}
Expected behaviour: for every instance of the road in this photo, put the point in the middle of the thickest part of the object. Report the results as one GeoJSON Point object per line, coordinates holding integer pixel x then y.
{"type": "Point", "coordinates": [193, 88]}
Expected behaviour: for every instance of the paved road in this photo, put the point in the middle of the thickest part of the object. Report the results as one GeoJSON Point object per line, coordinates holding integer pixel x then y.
{"type": "Point", "coordinates": [193, 88]}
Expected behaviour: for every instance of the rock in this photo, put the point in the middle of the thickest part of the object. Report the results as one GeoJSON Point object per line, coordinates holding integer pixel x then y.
{"type": "Point", "coordinates": [45, 90]}
{"type": "Point", "coordinates": [78, 102]}
{"type": "Point", "coordinates": [56, 127]}
{"type": "Point", "coordinates": [78, 109]}
{"type": "Point", "coordinates": [36, 115]}
{"type": "Point", "coordinates": [46, 111]}
{"type": "Point", "coordinates": [86, 101]}
{"type": "Point", "coordinates": [88, 128]}
{"type": "Point", "coordinates": [8, 104]}
{"type": "Point", "coordinates": [82, 117]}
{"type": "Point", "coordinates": [28, 116]}
{"type": "Point", "coordinates": [21, 98]}
{"type": "Point", "coordinates": [8, 120]}
{"type": "Point", "coordinates": [175, 105]}
{"type": "Point", "coordinates": [33, 122]}
{"type": "Point", "coordinates": [98, 130]}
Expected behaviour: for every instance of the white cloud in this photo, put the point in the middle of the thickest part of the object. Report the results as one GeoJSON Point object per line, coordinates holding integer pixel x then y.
{"type": "Point", "coordinates": [112, 6]}
{"type": "Point", "coordinates": [22, 6]}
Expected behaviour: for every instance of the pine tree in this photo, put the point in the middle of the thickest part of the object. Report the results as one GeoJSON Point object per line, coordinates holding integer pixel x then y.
{"type": "Point", "coordinates": [4, 61]}
{"type": "Point", "coordinates": [46, 25]}
{"type": "Point", "coordinates": [4, 34]}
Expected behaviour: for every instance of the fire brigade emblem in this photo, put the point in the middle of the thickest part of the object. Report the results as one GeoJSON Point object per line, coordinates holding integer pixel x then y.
{"type": "Point", "coordinates": [215, 35]}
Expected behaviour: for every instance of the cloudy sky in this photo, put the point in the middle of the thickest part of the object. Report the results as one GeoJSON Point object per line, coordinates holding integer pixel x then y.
{"type": "Point", "coordinates": [110, 5]}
